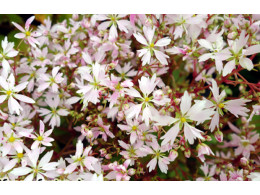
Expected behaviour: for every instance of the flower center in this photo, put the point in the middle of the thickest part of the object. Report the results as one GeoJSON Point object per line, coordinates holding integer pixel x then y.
{"type": "Point", "coordinates": [11, 139]}
{"type": "Point", "coordinates": [134, 128]}
{"type": "Point", "coordinates": [52, 80]}
{"type": "Point", "coordinates": [39, 138]}
{"type": "Point", "coordinates": [20, 155]}
{"type": "Point", "coordinates": [9, 92]}
{"type": "Point", "coordinates": [183, 120]}
{"type": "Point", "coordinates": [221, 105]}
{"type": "Point", "coordinates": [152, 45]}
{"type": "Point", "coordinates": [27, 33]}
{"type": "Point", "coordinates": [113, 19]}
{"type": "Point", "coordinates": [146, 99]}
{"type": "Point", "coordinates": [53, 111]}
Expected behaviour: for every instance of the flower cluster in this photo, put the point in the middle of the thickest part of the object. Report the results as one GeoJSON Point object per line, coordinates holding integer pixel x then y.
{"type": "Point", "coordinates": [131, 97]}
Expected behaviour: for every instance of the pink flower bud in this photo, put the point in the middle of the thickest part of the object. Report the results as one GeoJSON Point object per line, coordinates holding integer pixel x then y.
{"type": "Point", "coordinates": [187, 153]}
{"type": "Point", "coordinates": [219, 136]}
{"type": "Point", "coordinates": [108, 156]}
{"type": "Point", "coordinates": [232, 35]}
{"type": "Point", "coordinates": [158, 95]}
{"type": "Point", "coordinates": [75, 16]}
{"type": "Point", "coordinates": [89, 134]}
{"type": "Point", "coordinates": [100, 108]}
{"type": "Point", "coordinates": [244, 161]}
{"type": "Point", "coordinates": [103, 152]}
{"type": "Point", "coordinates": [131, 171]}
{"type": "Point", "coordinates": [173, 155]}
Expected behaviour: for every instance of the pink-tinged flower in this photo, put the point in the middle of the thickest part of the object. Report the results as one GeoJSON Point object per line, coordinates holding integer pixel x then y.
{"type": "Point", "coordinates": [134, 128]}
{"type": "Point", "coordinates": [152, 47]}
{"type": "Point", "coordinates": [203, 149]}
{"type": "Point", "coordinates": [81, 158]}
{"type": "Point", "coordinates": [53, 114]}
{"type": "Point", "coordinates": [119, 172]}
{"type": "Point", "coordinates": [19, 123]}
{"type": "Point", "coordinates": [11, 93]}
{"type": "Point", "coordinates": [39, 171]}
{"type": "Point", "coordinates": [31, 74]}
{"type": "Point", "coordinates": [96, 81]}
{"type": "Point", "coordinates": [113, 21]}
{"type": "Point", "coordinates": [236, 175]}
{"type": "Point", "coordinates": [65, 51]}
{"type": "Point", "coordinates": [214, 43]}
{"type": "Point", "coordinates": [219, 136]}
{"type": "Point", "coordinates": [10, 140]}
{"type": "Point", "coordinates": [197, 113]}
{"type": "Point", "coordinates": [186, 23]}
{"type": "Point", "coordinates": [244, 144]}
{"type": "Point", "coordinates": [236, 107]}
{"type": "Point", "coordinates": [102, 130]}
{"type": "Point", "coordinates": [208, 172]}
{"type": "Point", "coordinates": [237, 55]}
{"type": "Point", "coordinates": [41, 57]}
{"type": "Point", "coordinates": [40, 139]}
{"type": "Point", "coordinates": [147, 86]}
{"type": "Point", "coordinates": [119, 88]}
{"type": "Point", "coordinates": [133, 151]}
{"type": "Point", "coordinates": [6, 53]}
{"type": "Point", "coordinates": [158, 155]}
{"type": "Point", "coordinates": [46, 80]}
{"type": "Point", "coordinates": [26, 33]}
{"type": "Point", "coordinates": [126, 71]}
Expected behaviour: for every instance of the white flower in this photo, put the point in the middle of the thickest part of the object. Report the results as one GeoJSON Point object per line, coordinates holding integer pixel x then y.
{"type": "Point", "coordinates": [237, 55]}
{"type": "Point", "coordinates": [197, 113]}
{"type": "Point", "coordinates": [236, 107]}
{"type": "Point", "coordinates": [147, 86]}
{"type": "Point", "coordinates": [149, 48]}
{"type": "Point", "coordinates": [11, 93]}
{"type": "Point", "coordinates": [54, 113]}
{"type": "Point", "coordinates": [41, 138]}
{"type": "Point", "coordinates": [114, 21]}
{"type": "Point", "coordinates": [53, 80]}
{"type": "Point", "coordinates": [7, 52]}
{"type": "Point", "coordinates": [37, 170]}
{"type": "Point", "coordinates": [81, 158]}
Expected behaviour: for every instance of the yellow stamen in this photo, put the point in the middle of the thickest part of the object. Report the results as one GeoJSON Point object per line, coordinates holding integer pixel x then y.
{"type": "Point", "coordinates": [152, 45]}
{"type": "Point", "coordinates": [9, 92]}
{"type": "Point", "coordinates": [39, 138]}
{"type": "Point", "coordinates": [20, 155]}
{"type": "Point", "coordinates": [221, 105]}
{"type": "Point", "coordinates": [183, 120]}
{"type": "Point", "coordinates": [27, 33]}
{"type": "Point", "coordinates": [134, 128]}
{"type": "Point", "coordinates": [11, 139]}
{"type": "Point", "coordinates": [146, 99]}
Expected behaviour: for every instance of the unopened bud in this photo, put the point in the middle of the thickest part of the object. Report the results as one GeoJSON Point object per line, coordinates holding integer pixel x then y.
{"type": "Point", "coordinates": [244, 161]}
{"type": "Point", "coordinates": [219, 136]}
{"type": "Point", "coordinates": [158, 95]}
{"type": "Point", "coordinates": [187, 153]}
{"type": "Point", "coordinates": [232, 35]}
{"type": "Point", "coordinates": [173, 155]}
{"type": "Point", "coordinates": [103, 152]}
{"type": "Point", "coordinates": [131, 171]}
{"type": "Point", "coordinates": [108, 156]}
